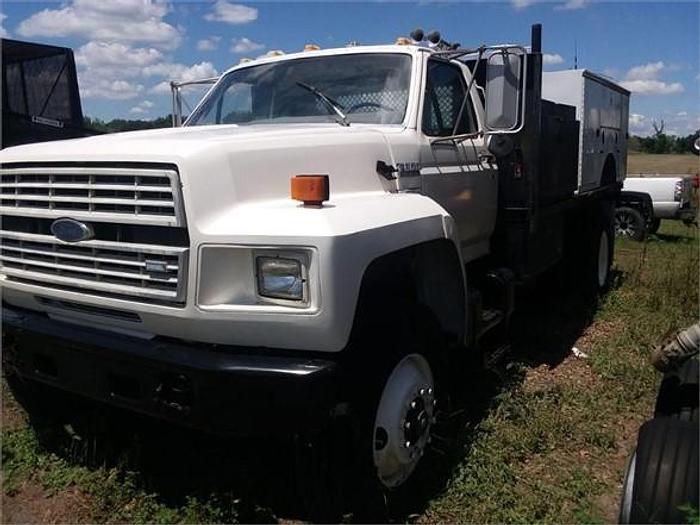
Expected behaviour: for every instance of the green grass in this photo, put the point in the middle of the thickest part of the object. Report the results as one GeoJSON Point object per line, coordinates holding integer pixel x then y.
{"type": "Point", "coordinates": [545, 455]}
{"type": "Point", "coordinates": [550, 447]}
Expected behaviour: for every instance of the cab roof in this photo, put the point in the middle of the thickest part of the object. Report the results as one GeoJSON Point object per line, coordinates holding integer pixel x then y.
{"type": "Point", "coordinates": [409, 49]}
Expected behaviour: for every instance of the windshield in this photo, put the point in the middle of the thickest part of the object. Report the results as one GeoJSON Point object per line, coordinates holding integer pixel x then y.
{"type": "Point", "coordinates": [368, 88]}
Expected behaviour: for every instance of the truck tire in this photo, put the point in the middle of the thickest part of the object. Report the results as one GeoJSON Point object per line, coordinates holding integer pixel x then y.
{"type": "Point", "coordinates": [397, 401]}
{"type": "Point", "coordinates": [663, 474]}
{"type": "Point", "coordinates": [601, 251]}
{"type": "Point", "coordinates": [630, 223]}
{"type": "Point", "coordinates": [392, 378]}
{"type": "Point", "coordinates": [654, 225]}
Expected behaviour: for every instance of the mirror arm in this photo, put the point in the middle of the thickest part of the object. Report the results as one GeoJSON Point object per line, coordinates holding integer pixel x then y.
{"type": "Point", "coordinates": [467, 94]}
{"type": "Point", "coordinates": [457, 138]}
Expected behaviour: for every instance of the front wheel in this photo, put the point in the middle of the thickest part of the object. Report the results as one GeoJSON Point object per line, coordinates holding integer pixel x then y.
{"type": "Point", "coordinates": [404, 417]}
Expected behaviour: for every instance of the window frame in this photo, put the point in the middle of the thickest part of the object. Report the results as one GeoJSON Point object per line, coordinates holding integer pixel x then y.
{"type": "Point", "coordinates": [413, 71]}
{"type": "Point", "coordinates": [472, 107]}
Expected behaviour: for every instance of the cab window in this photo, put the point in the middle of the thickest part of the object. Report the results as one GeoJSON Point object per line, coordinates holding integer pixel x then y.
{"type": "Point", "coordinates": [444, 93]}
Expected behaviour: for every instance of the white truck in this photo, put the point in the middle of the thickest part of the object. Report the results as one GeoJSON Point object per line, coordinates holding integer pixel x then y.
{"type": "Point", "coordinates": [672, 197]}
{"type": "Point", "coordinates": [171, 272]}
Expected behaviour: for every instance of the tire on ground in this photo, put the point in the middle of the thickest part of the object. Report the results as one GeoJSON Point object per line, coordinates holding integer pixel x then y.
{"type": "Point", "coordinates": [630, 223]}
{"type": "Point", "coordinates": [391, 325]}
{"type": "Point", "coordinates": [654, 225]}
{"type": "Point", "coordinates": [663, 476]}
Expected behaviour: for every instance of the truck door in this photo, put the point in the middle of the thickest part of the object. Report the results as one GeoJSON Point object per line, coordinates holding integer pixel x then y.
{"type": "Point", "coordinates": [451, 171]}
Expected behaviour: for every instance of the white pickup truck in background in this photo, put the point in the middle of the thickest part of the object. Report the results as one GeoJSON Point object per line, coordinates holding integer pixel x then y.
{"type": "Point", "coordinates": [673, 197]}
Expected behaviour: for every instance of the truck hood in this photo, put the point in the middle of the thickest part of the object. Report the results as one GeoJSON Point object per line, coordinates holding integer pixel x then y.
{"type": "Point", "coordinates": [224, 164]}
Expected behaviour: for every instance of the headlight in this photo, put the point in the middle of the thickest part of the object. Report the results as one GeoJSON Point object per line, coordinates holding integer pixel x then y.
{"type": "Point", "coordinates": [280, 278]}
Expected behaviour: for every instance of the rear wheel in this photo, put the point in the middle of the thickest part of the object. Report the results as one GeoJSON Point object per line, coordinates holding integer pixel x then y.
{"type": "Point", "coordinates": [654, 225]}
{"type": "Point", "coordinates": [629, 223]}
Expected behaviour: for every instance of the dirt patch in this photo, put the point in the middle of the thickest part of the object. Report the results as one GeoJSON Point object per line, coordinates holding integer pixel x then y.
{"type": "Point", "coordinates": [572, 372]}
{"type": "Point", "coordinates": [612, 471]}
{"type": "Point", "coordinates": [31, 504]}
{"type": "Point", "coordinates": [12, 415]}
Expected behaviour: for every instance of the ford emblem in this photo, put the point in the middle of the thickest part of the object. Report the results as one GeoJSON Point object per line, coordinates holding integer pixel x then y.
{"type": "Point", "coordinates": [70, 230]}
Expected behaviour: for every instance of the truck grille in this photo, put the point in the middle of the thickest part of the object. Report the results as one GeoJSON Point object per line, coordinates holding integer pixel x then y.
{"type": "Point", "coordinates": [141, 196]}
{"type": "Point", "coordinates": [100, 267]}
{"type": "Point", "coordinates": [140, 247]}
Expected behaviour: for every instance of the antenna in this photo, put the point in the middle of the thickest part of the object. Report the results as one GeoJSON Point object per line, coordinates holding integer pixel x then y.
{"type": "Point", "coordinates": [575, 54]}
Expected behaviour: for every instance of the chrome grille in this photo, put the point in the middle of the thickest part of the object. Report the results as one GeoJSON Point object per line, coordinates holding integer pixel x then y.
{"type": "Point", "coordinates": [126, 195]}
{"type": "Point", "coordinates": [104, 268]}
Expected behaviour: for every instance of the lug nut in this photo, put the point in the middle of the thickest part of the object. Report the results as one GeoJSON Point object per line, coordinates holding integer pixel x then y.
{"type": "Point", "coordinates": [434, 402]}
{"type": "Point", "coordinates": [422, 391]}
{"type": "Point", "coordinates": [407, 425]}
{"type": "Point", "coordinates": [430, 391]}
{"type": "Point", "coordinates": [413, 404]}
{"type": "Point", "coordinates": [407, 444]}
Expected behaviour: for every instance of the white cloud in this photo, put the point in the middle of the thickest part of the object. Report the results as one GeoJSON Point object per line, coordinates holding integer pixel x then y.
{"type": "Point", "coordinates": [142, 108]}
{"type": "Point", "coordinates": [183, 73]}
{"type": "Point", "coordinates": [552, 59]}
{"type": "Point", "coordinates": [3, 31]}
{"type": "Point", "coordinates": [209, 44]}
{"type": "Point", "coordinates": [118, 71]}
{"type": "Point", "coordinates": [644, 80]}
{"type": "Point", "coordinates": [128, 21]}
{"type": "Point", "coordinates": [111, 70]}
{"type": "Point", "coordinates": [646, 71]}
{"type": "Point", "coordinates": [636, 119]}
{"type": "Point", "coordinates": [653, 87]}
{"type": "Point", "coordinates": [224, 11]}
{"type": "Point", "coordinates": [573, 4]}
{"type": "Point", "coordinates": [109, 89]}
{"type": "Point", "coordinates": [521, 4]}
{"type": "Point", "coordinates": [244, 45]}
{"type": "Point", "coordinates": [114, 58]}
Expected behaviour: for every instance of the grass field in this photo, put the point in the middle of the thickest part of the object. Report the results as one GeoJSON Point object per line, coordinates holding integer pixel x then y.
{"type": "Point", "coordinates": [644, 163]}
{"type": "Point", "coordinates": [545, 439]}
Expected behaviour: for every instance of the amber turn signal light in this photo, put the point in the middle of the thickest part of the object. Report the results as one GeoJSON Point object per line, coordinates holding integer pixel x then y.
{"type": "Point", "coordinates": [312, 190]}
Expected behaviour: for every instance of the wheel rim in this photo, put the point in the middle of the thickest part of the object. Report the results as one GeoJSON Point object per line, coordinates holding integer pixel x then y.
{"type": "Point", "coordinates": [603, 259]}
{"type": "Point", "coordinates": [625, 224]}
{"type": "Point", "coordinates": [403, 421]}
{"type": "Point", "coordinates": [627, 491]}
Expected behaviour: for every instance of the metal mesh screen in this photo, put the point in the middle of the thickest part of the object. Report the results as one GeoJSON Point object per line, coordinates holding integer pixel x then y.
{"type": "Point", "coordinates": [14, 91]}
{"type": "Point", "coordinates": [376, 101]}
{"type": "Point", "coordinates": [47, 87]}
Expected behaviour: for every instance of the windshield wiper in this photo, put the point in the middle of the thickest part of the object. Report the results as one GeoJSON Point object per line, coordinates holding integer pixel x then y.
{"type": "Point", "coordinates": [330, 104]}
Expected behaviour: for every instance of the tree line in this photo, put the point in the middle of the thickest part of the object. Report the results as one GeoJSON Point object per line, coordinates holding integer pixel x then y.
{"type": "Point", "coordinates": [658, 142]}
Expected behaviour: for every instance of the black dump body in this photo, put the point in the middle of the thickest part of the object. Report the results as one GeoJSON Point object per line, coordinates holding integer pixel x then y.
{"type": "Point", "coordinates": [40, 98]}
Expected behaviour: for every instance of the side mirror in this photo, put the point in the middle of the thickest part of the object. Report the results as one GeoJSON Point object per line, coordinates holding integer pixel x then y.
{"type": "Point", "coordinates": [505, 89]}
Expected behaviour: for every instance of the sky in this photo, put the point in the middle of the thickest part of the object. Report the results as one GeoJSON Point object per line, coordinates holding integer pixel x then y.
{"type": "Point", "coordinates": [127, 51]}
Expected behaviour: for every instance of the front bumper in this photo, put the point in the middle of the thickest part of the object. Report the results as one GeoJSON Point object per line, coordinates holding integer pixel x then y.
{"type": "Point", "coordinates": [219, 389]}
